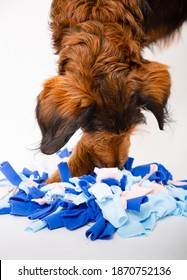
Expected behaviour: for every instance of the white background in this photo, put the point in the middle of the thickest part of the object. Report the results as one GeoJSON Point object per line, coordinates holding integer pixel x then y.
{"type": "Point", "coordinates": [26, 60]}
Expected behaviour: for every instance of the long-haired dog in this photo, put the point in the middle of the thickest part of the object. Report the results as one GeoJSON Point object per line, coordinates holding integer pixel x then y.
{"type": "Point", "coordinates": [103, 82]}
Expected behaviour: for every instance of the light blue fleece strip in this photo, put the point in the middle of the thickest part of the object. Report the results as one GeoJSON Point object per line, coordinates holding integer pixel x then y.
{"type": "Point", "coordinates": [110, 204]}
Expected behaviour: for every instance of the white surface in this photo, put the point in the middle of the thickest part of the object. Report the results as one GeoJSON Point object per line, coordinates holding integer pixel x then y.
{"type": "Point", "coordinates": [167, 241]}
{"type": "Point", "coordinates": [26, 60]}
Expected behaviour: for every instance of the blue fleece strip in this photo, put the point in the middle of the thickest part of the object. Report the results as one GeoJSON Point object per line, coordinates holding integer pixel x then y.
{"type": "Point", "coordinates": [162, 175]}
{"type": "Point", "coordinates": [84, 185]}
{"type": "Point", "coordinates": [123, 182]}
{"type": "Point", "coordinates": [45, 210]}
{"type": "Point", "coordinates": [62, 153]}
{"type": "Point", "coordinates": [54, 221]}
{"type": "Point", "coordinates": [35, 176]}
{"type": "Point", "coordinates": [76, 218]}
{"type": "Point", "coordinates": [10, 173]}
{"type": "Point", "coordinates": [24, 208]}
{"type": "Point", "coordinates": [5, 210]}
{"type": "Point", "coordinates": [110, 181]}
{"type": "Point", "coordinates": [35, 193]}
{"type": "Point", "coordinates": [64, 171]}
{"type": "Point", "coordinates": [135, 203]}
{"type": "Point", "coordinates": [129, 163]}
{"type": "Point", "coordinates": [102, 229]}
{"type": "Point", "coordinates": [182, 186]}
{"type": "Point", "coordinates": [88, 178]}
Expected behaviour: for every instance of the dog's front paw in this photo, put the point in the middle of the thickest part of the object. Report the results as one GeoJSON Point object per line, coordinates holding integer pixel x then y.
{"type": "Point", "coordinates": [54, 178]}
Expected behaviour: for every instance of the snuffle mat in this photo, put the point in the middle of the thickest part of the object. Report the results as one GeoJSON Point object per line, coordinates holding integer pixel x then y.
{"type": "Point", "coordinates": [109, 201]}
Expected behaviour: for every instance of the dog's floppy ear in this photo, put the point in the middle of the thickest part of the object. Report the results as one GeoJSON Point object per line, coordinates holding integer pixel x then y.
{"type": "Point", "coordinates": [61, 108]}
{"type": "Point", "coordinates": [153, 87]}
{"type": "Point", "coordinates": [159, 110]}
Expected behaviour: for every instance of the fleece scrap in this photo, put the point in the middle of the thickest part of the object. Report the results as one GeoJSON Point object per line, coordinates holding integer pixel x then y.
{"type": "Point", "coordinates": [127, 202]}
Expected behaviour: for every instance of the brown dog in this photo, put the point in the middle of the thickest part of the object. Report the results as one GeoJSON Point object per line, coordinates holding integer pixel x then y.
{"type": "Point", "coordinates": [103, 82]}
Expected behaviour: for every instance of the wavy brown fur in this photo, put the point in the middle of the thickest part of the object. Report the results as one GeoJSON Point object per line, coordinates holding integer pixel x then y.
{"type": "Point", "coordinates": [103, 82]}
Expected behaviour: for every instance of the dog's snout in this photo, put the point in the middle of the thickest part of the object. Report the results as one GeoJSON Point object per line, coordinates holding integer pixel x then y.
{"type": "Point", "coordinates": [49, 146]}
{"type": "Point", "coordinates": [46, 148]}
{"type": "Point", "coordinates": [115, 164]}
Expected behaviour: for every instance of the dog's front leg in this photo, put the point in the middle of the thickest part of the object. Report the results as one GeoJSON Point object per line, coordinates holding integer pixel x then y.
{"type": "Point", "coordinates": [80, 163]}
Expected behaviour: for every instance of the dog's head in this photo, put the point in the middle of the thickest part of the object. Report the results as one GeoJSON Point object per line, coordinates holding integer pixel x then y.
{"type": "Point", "coordinates": [107, 110]}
